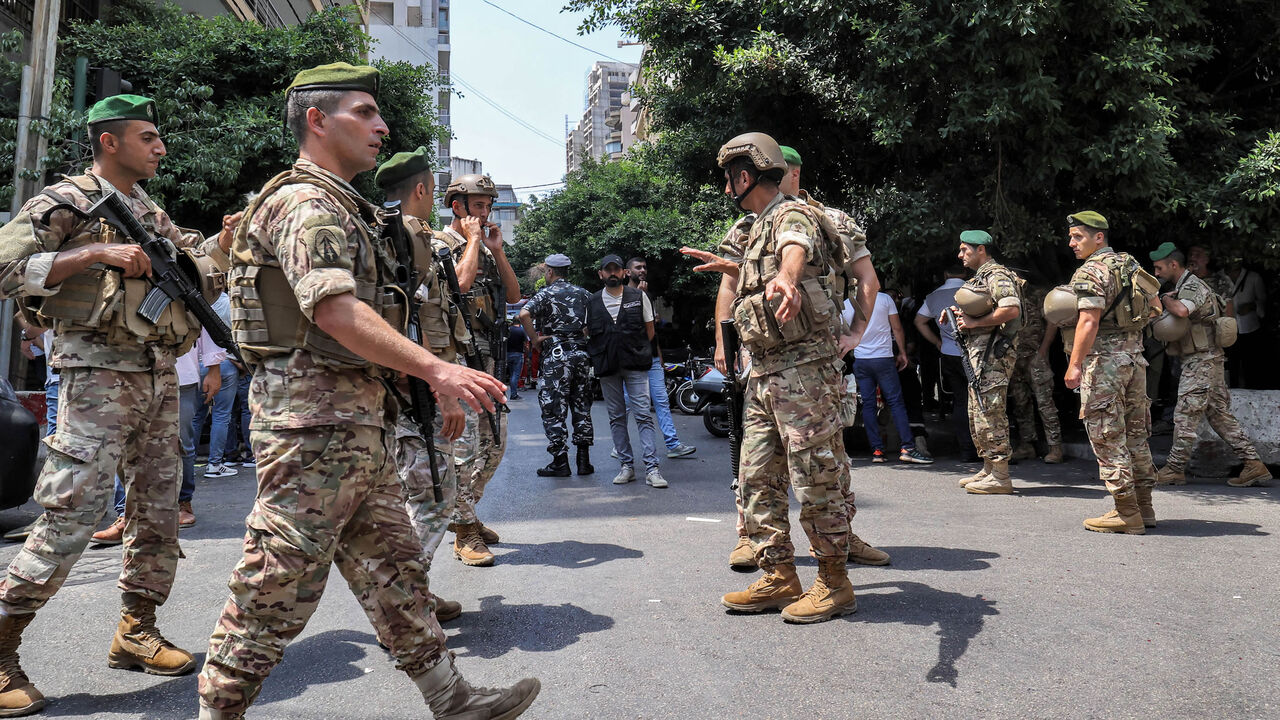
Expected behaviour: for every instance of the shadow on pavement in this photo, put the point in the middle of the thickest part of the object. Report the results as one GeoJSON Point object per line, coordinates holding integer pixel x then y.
{"type": "Point", "coordinates": [1187, 527]}
{"type": "Point", "coordinates": [1094, 491]}
{"type": "Point", "coordinates": [938, 558]}
{"type": "Point", "coordinates": [498, 628]}
{"type": "Point", "coordinates": [567, 554]}
{"type": "Point", "coordinates": [959, 618]}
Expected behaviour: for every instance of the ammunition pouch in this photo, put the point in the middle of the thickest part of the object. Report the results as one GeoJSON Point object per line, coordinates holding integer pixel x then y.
{"type": "Point", "coordinates": [757, 321]}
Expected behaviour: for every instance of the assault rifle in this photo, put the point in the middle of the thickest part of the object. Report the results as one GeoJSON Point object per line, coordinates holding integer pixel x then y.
{"type": "Point", "coordinates": [173, 276]}
{"type": "Point", "coordinates": [472, 355]}
{"type": "Point", "coordinates": [422, 402]}
{"type": "Point", "coordinates": [733, 393]}
{"type": "Point", "coordinates": [970, 374]}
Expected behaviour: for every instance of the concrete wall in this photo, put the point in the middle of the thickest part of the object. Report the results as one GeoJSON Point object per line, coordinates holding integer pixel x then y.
{"type": "Point", "coordinates": [1259, 414]}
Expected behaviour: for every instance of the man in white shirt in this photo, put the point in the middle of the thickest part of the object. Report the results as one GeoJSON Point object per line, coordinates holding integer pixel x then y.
{"type": "Point", "coordinates": [952, 369]}
{"type": "Point", "coordinates": [876, 365]}
{"type": "Point", "coordinates": [1249, 295]}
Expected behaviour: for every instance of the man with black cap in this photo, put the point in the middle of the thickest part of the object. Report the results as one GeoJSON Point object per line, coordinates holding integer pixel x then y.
{"type": "Point", "coordinates": [988, 313]}
{"type": "Point", "coordinates": [555, 319]}
{"type": "Point", "coordinates": [1106, 363]}
{"type": "Point", "coordinates": [619, 333]}
{"type": "Point", "coordinates": [119, 405]}
{"type": "Point", "coordinates": [310, 292]}
{"type": "Point", "coordinates": [1202, 388]}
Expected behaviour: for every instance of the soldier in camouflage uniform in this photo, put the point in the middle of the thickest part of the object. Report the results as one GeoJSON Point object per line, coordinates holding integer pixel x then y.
{"type": "Point", "coordinates": [788, 320]}
{"type": "Point", "coordinates": [1202, 389]}
{"type": "Point", "coordinates": [1031, 387]}
{"type": "Point", "coordinates": [311, 279]}
{"type": "Point", "coordinates": [119, 401]}
{"type": "Point", "coordinates": [407, 178]}
{"type": "Point", "coordinates": [555, 319]}
{"type": "Point", "coordinates": [1200, 262]}
{"type": "Point", "coordinates": [487, 278]}
{"type": "Point", "coordinates": [1106, 363]}
{"type": "Point", "coordinates": [988, 326]}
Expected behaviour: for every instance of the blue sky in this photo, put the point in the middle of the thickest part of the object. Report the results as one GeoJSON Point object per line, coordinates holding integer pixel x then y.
{"type": "Point", "coordinates": [534, 76]}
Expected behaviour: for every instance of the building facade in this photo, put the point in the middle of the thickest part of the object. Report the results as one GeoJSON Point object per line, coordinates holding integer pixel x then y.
{"type": "Point", "coordinates": [607, 127]}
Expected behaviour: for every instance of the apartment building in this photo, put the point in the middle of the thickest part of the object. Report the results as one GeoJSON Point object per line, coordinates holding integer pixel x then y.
{"type": "Point", "coordinates": [607, 126]}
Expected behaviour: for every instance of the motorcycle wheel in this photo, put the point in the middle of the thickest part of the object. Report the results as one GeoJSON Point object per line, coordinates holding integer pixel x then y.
{"type": "Point", "coordinates": [686, 398]}
{"type": "Point", "coordinates": [717, 423]}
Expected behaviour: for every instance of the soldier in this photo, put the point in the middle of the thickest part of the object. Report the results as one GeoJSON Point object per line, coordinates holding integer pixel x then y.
{"type": "Point", "coordinates": [310, 282]}
{"type": "Point", "coordinates": [119, 403]}
{"type": "Point", "coordinates": [791, 421]}
{"type": "Point", "coordinates": [988, 315]}
{"type": "Point", "coordinates": [1202, 389]}
{"type": "Point", "coordinates": [1033, 380]}
{"type": "Point", "coordinates": [487, 278]}
{"type": "Point", "coordinates": [1200, 263]}
{"type": "Point", "coordinates": [1104, 341]}
{"type": "Point", "coordinates": [555, 320]}
{"type": "Point", "coordinates": [407, 178]}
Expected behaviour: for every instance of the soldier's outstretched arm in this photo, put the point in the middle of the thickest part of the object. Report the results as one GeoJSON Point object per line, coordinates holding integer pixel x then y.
{"type": "Point", "coordinates": [360, 329]}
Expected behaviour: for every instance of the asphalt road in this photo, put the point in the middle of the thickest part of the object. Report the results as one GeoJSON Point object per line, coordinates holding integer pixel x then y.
{"type": "Point", "coordinates": [994, 607]}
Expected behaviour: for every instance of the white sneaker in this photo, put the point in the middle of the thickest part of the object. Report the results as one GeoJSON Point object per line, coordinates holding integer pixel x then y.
{"type": "Point", "coordinates": [625, 475]}
{"type": "Point", "coordinates": [681, 450]}
{"type": "Point", "coordinates": [217, 471]}
{"type": "Point", "coordinates": [654, 479]}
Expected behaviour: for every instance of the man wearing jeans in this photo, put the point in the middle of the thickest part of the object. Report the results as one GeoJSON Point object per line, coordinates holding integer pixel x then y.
{"type": "Point", "coordinates": [876, 365]}
{"type": "Point", "coordinates": [619, 330]}
{"type": "Point", "coordinates": [952, 368]}
{"type": "Point", "coordinates": [638, 270]}
{"type": "Point", "coordinates": [219, 408]}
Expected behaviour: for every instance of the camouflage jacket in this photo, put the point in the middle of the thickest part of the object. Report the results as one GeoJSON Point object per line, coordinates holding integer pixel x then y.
{"type": "Point", "coordinates": [444, 332]}
{"type": "Point", "coordinates": [29, 246]}
{"type": "Point", "coordinates": [559, 310]}
{"type": "Point", "coordinates": [1097, 288]}
{"type": "Point", "coordinates": [1033, 322]}
{"type": "Point", "coordinates": [1005, 289]}
{"type": "Point", "coordinates": [487, 296]}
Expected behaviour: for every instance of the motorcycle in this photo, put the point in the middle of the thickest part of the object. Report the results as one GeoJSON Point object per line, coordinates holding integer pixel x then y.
{"type": "Point", "coordinates": [685, 397]}
{"type": "Point", "coordinates": [711, 402]}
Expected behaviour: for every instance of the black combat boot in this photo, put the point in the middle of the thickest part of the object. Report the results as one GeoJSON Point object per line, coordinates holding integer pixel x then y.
{"type": "Point", "coordinates": [584, 460]}
{"type": "Point", "coordinates": [558, 467]}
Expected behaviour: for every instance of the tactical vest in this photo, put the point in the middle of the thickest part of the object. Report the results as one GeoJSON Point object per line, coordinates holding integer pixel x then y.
{"type": "Point", "coordinates": [443, 330]}
{"type": "Point", "coordinates": [99, 299]}
{"type": "Point", "coordinates": [980, 283]}
{"type": "Point", "coordinates": [487, 295]}
{"type": "Point", "coordinates": [621, 344]}
{"type": "Point", "coordinates": [265, 316]}
{"type": "Point", "coordinates": [1134, 306]}
{"type": "Point", "coordinates": [1202, 335]}
{"type": "Point", "coordinates": [755, 317]}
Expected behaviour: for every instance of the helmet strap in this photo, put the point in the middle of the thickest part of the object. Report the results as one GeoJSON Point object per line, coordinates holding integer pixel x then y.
{"type": "Point", "coordinates": [738, 198]}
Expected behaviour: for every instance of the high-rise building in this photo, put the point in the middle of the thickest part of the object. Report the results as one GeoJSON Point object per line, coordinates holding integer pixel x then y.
{"type": "Point", "coordinates": [607, 125]}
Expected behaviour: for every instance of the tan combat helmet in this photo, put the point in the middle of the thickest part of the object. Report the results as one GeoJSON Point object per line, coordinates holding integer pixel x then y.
{"type": "Point", "coordinates": [1060, 307]}
{"type": "Point", "coordinates": [470, 185]}
{"type": "Point", "coordinates": [973, 303]}
{"type": "Point", "coordinates": [1170, 328]}
{"type": "Point", "coordinates": [763, 151]}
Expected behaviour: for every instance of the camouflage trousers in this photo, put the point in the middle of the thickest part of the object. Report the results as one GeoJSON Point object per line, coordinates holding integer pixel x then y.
{"type": "Point", "coordinates": [1117, 416]}
{"type": "Point", "coordinates": [326, 495]}
{"type": "Point", "coordinates": [1203, 395]}
{"type": "Point", "coordinates": [476, 455]}
{"type": "Point", "coordinates": [1033, 380]}
{"type": "Point", "coordinates": [429, 518]}
{"type": "Point", "coordinates": [990, 427]}
{"type": "Point", "coordinates": [108, 420]}
{"type": "Point", "coordinates": [791, 435]}
{"type": "Point", "coordinates": [566, 387]}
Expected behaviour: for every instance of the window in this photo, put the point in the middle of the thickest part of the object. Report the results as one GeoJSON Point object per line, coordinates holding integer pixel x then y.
{"type": "Point", "coordinates": [382, 13]}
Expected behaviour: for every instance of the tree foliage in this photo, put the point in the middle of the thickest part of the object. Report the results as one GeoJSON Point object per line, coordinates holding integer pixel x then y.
{"type": "Point", "coordinates": [926, 117]}
{"type": "Point", "coordinates": [219, 89]}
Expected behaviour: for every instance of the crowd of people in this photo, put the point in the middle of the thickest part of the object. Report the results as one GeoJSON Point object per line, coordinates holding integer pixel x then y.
{"type": "Point", "coordinates": [340, 310]}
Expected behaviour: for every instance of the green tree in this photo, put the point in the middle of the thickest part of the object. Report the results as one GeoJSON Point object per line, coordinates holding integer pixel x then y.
{"type": "Point", "coordinates": [219, 90]}
{"type": "Point", "coordinates": [926, 117]}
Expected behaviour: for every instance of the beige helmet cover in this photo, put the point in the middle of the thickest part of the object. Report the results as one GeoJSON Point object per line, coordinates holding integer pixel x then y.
{"type": "Point", "coordinates": [762, 150]}
{"type": "Point", "coordinates": [470, 185]}
{"type": "Point", "coordinates": [1170, 328]}
{"type": "Point", "coordinates": [1060, 306]}
{"type": "Point", "coordinates": [973, 303]}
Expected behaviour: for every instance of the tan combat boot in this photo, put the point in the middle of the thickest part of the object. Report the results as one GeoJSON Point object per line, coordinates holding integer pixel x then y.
{"type": "Point", "coordinates": [446, 610]}
{"type": "Point", "coordinates": [1126, 518]}
{"type": "Point", "coordinates": [17, 695]}
{"type": "Point", "coordinates": [1254, 472]}
{"type": "Point", "coordinates": [1171, 476]}
{"type": "Point", "coordinates": [1024, 451]}
{"type": "Point", "coordinates": [997, 483]}
{"type": "Point", "coordinates": [777, 588]}
{"type": "Point", "coordinates": [452, 698]}
{"type": "Point", "coordinates": [743, 555]}
{"type": "Point", "coordinates": [830, 596]}
{"type": "Point", "coordinates": [982, 474]}
{"type": "Point", "coordinates": [470, 548]}
{"type": "Point", "coordinates": [1055, 455]}
{"type": "Point", "coordinates": [1145, 508]}
{"type": "Point", "coordinates": [864, 554]}
{"type": "Point", "coordinates": [139, 645]}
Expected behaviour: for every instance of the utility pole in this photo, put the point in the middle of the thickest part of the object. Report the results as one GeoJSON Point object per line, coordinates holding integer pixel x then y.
{"type": "Point", "coordinates": [36, 101]}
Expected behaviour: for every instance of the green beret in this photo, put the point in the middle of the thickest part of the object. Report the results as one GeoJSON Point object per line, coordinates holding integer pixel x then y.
{"type": "Point", "coordinates": [1165, 250]}
{"type": "Point", "coordinates": [790, 155]}
{"type": "Point", "coordinates": [976, 237]}
{"type": "Point", "coordinates": [401, 167]}
{"type": "Point", "coordinates": [337, 76]}
{"type": "Point", "coordinates": [122, 107]}
{"type": "Point", "coordinates": [1088, 218]}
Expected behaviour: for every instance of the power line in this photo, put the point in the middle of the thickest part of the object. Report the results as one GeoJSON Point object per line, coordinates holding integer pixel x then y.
{"type": "Point", "coordinates": [532, 187]}
{"type": "Point", "coordinates": [561, 37]}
